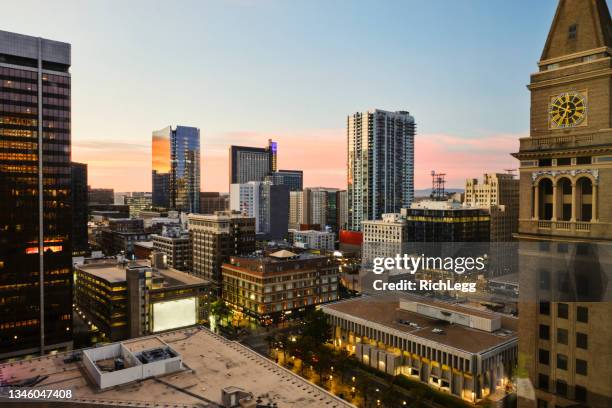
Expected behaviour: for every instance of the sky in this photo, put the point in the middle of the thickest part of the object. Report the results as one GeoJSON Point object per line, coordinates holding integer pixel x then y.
{"type": "Point", "coordinates": [245, 71]}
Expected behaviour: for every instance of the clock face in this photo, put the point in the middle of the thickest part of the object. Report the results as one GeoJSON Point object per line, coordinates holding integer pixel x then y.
{"type": "Point", "coordinates": [567, 110]}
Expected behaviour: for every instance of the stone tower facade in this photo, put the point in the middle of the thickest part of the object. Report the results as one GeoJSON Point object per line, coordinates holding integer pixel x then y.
{"type": "Point", "coordinates": [565, 217]}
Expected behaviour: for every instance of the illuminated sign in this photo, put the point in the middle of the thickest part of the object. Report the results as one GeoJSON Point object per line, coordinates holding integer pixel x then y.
{"type": "Point", "coordinates": [174, 314]}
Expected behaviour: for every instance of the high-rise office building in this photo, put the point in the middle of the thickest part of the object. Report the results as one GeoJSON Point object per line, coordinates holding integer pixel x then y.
{"type": "Point", "coordinates": [214, 238]}
{"type": "Point", "coordinates": [176, 168]}
{"type": "Point", "coordinates": [565, 216]}
{"type": "Point", "coordinates": [35, 197]}
{"type": "Point", "coordinates": [80, 244]}
{"type": "Point", "coordinates": [380, 164]}
{"type": "Point", "coordinates": [294, 179]}
{"type": "Point", "coordinates": [252, 163]}
{"type": "Point", "coordinates": [267, 203]}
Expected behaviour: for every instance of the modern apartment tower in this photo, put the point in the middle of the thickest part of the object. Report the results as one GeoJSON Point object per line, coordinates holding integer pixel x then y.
{"type": "Point", "coordinates": [252, 163]}
{"type": "Point", "coordinates": [565, 216]}
{"type": "Point", "coordinates": [380, 164]}
{"type": "Point", "coordinates": [35, 197]}
{"type": "Point", "coordinates": [176, 168]}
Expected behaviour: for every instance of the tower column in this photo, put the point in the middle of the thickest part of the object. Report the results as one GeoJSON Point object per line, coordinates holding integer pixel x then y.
{"type": "Point", "coordinates": [555, 202]}
{"type": "Point", "coordinates": [594, 204]}
{"type": "Point", "coordinates": [574, 201]}
{"type": "Point", "coordinates": [536, 202]}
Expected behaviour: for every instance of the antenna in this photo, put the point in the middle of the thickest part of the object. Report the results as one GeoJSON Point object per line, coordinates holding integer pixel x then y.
{"type": "Point", "coordinates": [437, 186]}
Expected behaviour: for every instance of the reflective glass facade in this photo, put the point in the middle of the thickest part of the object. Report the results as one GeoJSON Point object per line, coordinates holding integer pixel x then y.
{"type": "Point", "coordinates": [176, 168]}
{"type": "Point", "coordinates": [185, 179]}
{"type": "Point", "coordinates": [35, 196]}
{"type": "Point", "coordinates": [160, 149]}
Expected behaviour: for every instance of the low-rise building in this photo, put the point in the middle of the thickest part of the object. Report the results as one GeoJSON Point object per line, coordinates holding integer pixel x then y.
{"type": "Point", "coordinates": [185, 368]}
{"type": "Point", "coordinates": [460, 349]}
{"type": "Point", "coordinates": [446, 221]}
{"type": "Point", "coordinates": [129, 299]}
{"type": "Point", "coordinates": [322, 240]}
{"type": "Point", "coordinates": [269, 286]}
{"type": "Point", "coordinates": [174, 243]}
{"type": "Point", "coordinates": [213, 201]}
{"type": "Point", "coordinates": [120, 235]}
{"type": "Point", "coordinates": [138, 201]}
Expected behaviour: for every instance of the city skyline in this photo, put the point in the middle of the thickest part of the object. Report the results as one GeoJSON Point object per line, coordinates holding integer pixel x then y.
{"type": "Point", "coordinates": [245, 90]}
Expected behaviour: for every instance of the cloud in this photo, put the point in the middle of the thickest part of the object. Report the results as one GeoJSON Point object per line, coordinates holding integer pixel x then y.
{"type": "Point", "coordinates": [462, 157]}
{"type": "Point", "coordinates": [320, 153]}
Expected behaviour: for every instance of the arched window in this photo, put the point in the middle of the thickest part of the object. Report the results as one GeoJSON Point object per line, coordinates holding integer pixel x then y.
{"type": "Point", "coordinates": [584, 199]}
{"type": "Point", "coordinates": [545, 199]}
{"type": "Point", "coordinates": [564, 199]}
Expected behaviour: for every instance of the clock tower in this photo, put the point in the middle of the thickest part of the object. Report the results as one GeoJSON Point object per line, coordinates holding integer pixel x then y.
{"type": "Point", "coordinates": [565, 217]}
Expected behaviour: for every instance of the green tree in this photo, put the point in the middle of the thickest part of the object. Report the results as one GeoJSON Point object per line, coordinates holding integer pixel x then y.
{"type": "Point", "coordinates": [220, 311]}
{"type": "Point", "coordinates": [317, 327]}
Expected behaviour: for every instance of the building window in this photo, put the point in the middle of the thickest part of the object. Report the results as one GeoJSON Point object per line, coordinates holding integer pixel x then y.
{"type": "Point", "coordinates": [572, 32]}
{"type": "Point", "coordinates": [544, 356]}
{"type": "Point", "coordinates": [545, 308]}
{"type": "Point", "coordinates": [582, 340]}
{"type": "Point", "coordinates": [580, 393]}
{"type": "Point", "coordinates": [562, 310]}
{"type": "Point", "coordinates": [544, 332]}
{"type": "Point", "coordinates": [583, 160]}
{"type": "Point", "coordinates": [561, 361]}
{"type": "Point", "coordinates": [543, 382]}
{"type": "Point", "coordinates": [562, 336]}
{"type": "Point", "coordinates": [581, 367]}
{"type": "Point", "coordinates": [582, 314]}
{"type": "Point", "coordinates": [561, 388]}
{"type": "Point", "coordinates": [544, 279]}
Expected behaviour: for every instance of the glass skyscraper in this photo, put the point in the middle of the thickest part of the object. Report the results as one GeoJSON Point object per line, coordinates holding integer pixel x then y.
{"type": "Point", "coordinates": [35, 197]}
{"type": "Point", "coordinates": [176, 168]}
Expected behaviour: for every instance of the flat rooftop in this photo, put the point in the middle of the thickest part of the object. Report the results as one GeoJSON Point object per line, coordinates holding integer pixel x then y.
{"type": "Point", "coordinates": [211, 364]}
{"type": "Point", "coordinates": [385, 310]}
{"type": "Point", "coordinates": [108, 270]}
{"type": "Point", "coordinates": [113, 272]}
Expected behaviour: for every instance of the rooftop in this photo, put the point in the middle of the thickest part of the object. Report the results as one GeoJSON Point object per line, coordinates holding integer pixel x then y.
{"type": "Point", "coordinates": [210, 363]}
{"type": "Point", "coordinates": [114, 272]}
{"type": "Point", "coordinates": [385, 310]}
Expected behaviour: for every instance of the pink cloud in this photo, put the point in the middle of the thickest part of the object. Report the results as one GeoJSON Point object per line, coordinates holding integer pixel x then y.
{"type": "Point", "coordinates": [461, 158]}
{"type": "Point", "coordinates": [320, 153]}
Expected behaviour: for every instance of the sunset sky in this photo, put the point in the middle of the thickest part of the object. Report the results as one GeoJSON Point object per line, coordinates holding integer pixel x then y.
{"type": "Point", "coordinates": [244, 71]}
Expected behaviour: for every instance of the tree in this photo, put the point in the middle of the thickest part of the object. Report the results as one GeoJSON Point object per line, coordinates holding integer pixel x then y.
{"type": "Point", "coordinates": [317, 327]}
{"type": "Point", "coordinates": [220, 311]}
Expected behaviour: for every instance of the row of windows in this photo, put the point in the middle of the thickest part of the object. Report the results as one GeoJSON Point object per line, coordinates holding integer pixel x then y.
{"type": "Point", "coordinates": [561, 388]}
{"type": "Point", "coordinates": [582, 313]}
{"type": "Point", "coordinates": [562, 336]}
{"type": "Point", "coordinates": [544, 358]}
